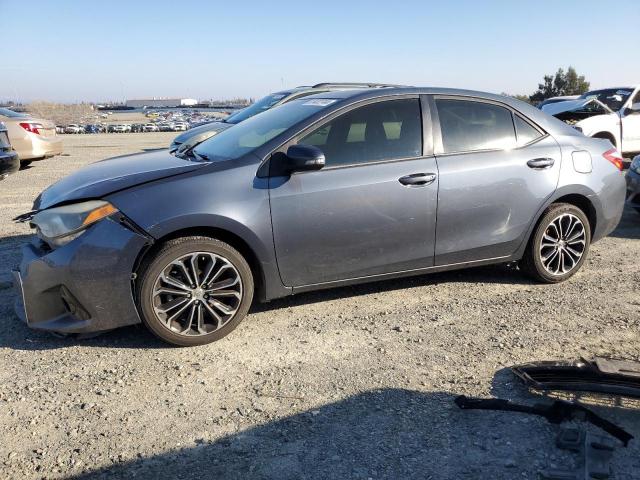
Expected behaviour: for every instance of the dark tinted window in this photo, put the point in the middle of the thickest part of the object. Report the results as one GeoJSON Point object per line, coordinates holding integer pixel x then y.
{"type": "Point", "coordinates": [468, 126]}
{"type": "Point", "coordinates": [526, 133]}
{"type": "Point", "coordinates": [381, 131]}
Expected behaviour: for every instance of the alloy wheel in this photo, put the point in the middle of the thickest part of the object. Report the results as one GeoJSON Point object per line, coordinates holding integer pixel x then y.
{"type": "Point", "coordinates": [197, 294]}
{"type": "Point", "coordinates": [563, 244]}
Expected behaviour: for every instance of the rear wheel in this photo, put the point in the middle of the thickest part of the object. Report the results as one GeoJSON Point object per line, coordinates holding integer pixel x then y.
{"type": "Point", "coordinates": [194, 290]}
{"type": "Point", "coordinates": [559, 245]}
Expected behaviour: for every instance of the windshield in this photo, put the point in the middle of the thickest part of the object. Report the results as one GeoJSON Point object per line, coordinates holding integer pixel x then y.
{"type": "Point", "coordinates": [5, 112]}
{"type": "Point", "coordinates": [260, 106]}
{"type": "Point", "coordinates": [255, 132]}
{"type": "Point", "coordinates": [614, 98]}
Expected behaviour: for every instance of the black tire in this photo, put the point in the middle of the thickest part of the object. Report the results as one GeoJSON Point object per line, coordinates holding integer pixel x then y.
{"type": "Point", "coordinates": [532, 262]}
{"type": "Point", "coordinates": [25, 163]}
{"type": "Point", "coordinates": [158, 262]}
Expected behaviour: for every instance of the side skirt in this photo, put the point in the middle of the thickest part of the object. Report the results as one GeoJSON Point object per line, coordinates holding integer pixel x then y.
{"type": "Point", "coordinates": [405, 273]}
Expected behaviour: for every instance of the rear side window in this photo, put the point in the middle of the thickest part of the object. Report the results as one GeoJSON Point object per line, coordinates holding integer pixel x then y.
{"type": "Point", "coordinates": [386, 130]}
{"type": "Point", "coordinates": [468, 126]}
{"type": "Point", "coordinates": [525, 132]}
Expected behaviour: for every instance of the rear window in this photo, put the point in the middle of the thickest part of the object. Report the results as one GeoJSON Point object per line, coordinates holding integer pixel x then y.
{"type": "Point", "coordinates": [525, 132]}
{"type": "Point", "coordinates": [468, 126]}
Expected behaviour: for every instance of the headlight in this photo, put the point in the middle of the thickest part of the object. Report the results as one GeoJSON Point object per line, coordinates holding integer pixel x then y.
{"type": "Point", "coordinates": [635, 165]}
{"type": "Point", "coordinates": [58, 226]}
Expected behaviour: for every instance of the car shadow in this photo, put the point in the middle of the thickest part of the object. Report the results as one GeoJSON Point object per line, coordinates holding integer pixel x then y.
{"type": "Point", "coordinates": [629, 226]}
{"type": "Point", "coordinates": [389, 433]}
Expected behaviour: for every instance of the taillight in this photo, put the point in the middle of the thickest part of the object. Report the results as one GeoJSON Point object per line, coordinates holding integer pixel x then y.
{"type": "Point", "coordinates": [614, 157]}
{"type": "Point", "coordinates": [31, 127]}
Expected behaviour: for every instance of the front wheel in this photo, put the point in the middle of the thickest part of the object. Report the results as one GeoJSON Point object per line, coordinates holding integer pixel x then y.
{"type": "Point", "coordinates": [559, 245]}
{"type": "Point", "coordinates": [194, 290]}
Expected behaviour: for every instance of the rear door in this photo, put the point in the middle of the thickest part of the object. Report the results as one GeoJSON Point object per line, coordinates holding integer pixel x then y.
{"type": "Point", "coordinates": [372, 208]}
{"type": "Point", "coordinates": [495, 170]}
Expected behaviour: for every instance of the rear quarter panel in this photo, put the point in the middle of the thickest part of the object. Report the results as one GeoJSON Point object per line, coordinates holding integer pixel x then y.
{"type": "Point", "coordinates": [604, 186]}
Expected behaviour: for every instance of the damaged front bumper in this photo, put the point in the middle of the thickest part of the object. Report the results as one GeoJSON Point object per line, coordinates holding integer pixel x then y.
{"type": "Point", "coordinates": [83, 286]}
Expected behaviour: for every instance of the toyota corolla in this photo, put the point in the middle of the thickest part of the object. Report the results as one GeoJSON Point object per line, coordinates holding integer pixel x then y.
{"type": "Point", "coordinates": [329, 190]}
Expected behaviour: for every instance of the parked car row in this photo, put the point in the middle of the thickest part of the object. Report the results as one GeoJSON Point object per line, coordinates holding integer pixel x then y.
{"type": "Point", "coordinates": [74, 128]}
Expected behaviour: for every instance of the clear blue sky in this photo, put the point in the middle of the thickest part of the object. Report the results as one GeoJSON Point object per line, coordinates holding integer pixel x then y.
{"type": "Point", "coordinates": [109, 50]}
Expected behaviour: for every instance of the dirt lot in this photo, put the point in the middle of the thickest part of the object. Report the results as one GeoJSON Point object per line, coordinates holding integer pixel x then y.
{"type": "Point", "coordinates": [353, 383]}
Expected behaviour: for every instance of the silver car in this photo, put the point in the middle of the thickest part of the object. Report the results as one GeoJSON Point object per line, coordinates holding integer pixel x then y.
{"type": "Point", "coordinates": [324, 191]}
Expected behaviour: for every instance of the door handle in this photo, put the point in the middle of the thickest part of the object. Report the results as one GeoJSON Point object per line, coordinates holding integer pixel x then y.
{"type": "Point", "coordinates": [418, 179]}
{"type": "Point", "coordinates": [541, 163]}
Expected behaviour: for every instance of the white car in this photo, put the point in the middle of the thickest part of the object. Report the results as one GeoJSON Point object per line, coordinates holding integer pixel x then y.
{"type": "Point", "coordinates": [609, 113]}
{"type": "Point", "coordinates": [180, 127]}
{"type": "Point", "coordinates": [73, 128]}
{"type": "Point", "coordinates": [150, 127]}
{"type": "Point", "coordinates": [120, 128]}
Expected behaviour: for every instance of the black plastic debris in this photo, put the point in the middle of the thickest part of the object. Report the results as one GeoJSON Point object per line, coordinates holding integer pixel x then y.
{"type": "Point", "coordinates": [602, 375]}
{"type": "Point", "coordinates": [557, 412]}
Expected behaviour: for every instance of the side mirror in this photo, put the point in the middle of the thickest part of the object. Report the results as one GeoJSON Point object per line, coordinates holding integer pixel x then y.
{"type": "Point", "coordinates": [301, 158]}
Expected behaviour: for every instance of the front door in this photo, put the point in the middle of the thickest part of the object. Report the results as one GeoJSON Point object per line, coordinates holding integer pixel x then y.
{"type": "Point", "coordinates": [370, 210]}
{"type": "Point", "coordinates": [492, 182]}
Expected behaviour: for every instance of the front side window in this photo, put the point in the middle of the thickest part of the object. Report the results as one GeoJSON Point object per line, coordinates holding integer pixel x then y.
{"type": "Point", "coordinates": [468, 126]}
{"type": "Point", "coordinates": [386, 130]}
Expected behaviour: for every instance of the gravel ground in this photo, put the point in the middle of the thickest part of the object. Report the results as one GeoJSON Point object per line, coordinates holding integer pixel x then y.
{"type": "Point", "coordinates": [351, 383]}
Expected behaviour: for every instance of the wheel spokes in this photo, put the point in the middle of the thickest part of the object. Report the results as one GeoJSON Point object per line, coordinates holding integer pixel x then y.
{"type": "Point", "coordinates": [197, 294]}
{"type": "Point", "coordinates": [563, 244]}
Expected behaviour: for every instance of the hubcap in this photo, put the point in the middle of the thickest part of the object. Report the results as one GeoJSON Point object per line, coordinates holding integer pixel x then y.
{"type": "Point", "coordinates": [197, 293]}
{"type": "Point", "coordinates": [563, 244]}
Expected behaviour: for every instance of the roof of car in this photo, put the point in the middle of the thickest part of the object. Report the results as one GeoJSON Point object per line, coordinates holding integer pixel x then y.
{"type": "Point", "coordinates": [381, 92]}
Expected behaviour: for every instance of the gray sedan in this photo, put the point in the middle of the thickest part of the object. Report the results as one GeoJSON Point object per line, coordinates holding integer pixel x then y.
{"type": "Point", "coordinates": [325, 191]}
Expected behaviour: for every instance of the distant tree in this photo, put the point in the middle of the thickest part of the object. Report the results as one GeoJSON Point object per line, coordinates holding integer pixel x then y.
{"type": "Point", "coordinates": [560, 84]}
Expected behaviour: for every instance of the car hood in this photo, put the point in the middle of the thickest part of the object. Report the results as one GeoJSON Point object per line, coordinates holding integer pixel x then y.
{"type": "Point", "coordinates": [213, 127]}
{"type": "Point", "coordinates": [114, 174]}
{"type": "Point", "coordinates": [571, 106]}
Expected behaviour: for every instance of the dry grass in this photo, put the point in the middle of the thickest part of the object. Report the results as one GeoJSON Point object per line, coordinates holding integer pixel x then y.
{"type": "Point", "coordinates": [61, 114]}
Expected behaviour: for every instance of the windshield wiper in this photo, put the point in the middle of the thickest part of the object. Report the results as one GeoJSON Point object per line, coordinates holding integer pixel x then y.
{"type": "Point", "coordinates": [189, 153]}
{"type": "Point", "coordinates": [199, 156]}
